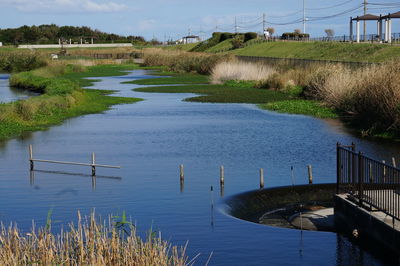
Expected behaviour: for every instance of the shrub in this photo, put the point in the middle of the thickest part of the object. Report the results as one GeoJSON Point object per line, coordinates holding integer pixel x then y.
{"type": "Point", "coordinates": [216, 38]}
{"type": "Point", "coordinates": [21, 61]}
{"type": "Point", "coordinates": [250, 36]}
{"type": "Point", "coordinates": [295, 36]}
{"type": "Point", "coordinates": [237, 42]}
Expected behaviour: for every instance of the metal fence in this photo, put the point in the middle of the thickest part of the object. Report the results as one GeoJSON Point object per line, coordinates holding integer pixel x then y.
{"type": "Point", "coordinates": [297, 62]}
{"type": "Point", "coordinates": [370, 183]}
{"type": "Point", "coordinates": [368, 38]}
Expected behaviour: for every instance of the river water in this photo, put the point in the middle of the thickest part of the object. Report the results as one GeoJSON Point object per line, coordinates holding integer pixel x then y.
{"type": "Point", "coordinates": [150, 139]}
{"type": "Point", "coordinates": [8, 94]}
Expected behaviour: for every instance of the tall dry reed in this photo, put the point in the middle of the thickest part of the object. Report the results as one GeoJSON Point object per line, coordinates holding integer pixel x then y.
{"type": "Point", "coordinates": [180, 61]}
{"type": "Point", "coordinates": [369, 96]}
{"type": "Point", "coordinates": [89, 242]}
{"type": "Point", "coordinates": [236, 70]}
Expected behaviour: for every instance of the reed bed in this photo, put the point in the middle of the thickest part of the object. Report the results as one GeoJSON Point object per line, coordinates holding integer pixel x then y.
{"type": "Point", "coordinates": [240, 71]}
{"type": "Point", "coordinates": [89, 242]}
{"type": "Point", "coordinates": [180, 61]}
{"type": "Point", "coordinates": [368, 97]}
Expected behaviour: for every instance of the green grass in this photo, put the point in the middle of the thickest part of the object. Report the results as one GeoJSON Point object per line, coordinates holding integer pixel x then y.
{"type": "Point", "coordinates": [299, 106]}
{"type": "Point", "coordinates": [323, 51]}
{"type": "Point", "coordinates": [62, 99]}
{"type": "Point", "coordinates": [98, 71]}
{"type": "Point", "coordinates": [222, 93]}
{"type": "Point", "coordinates": [90, 102]}
{"type": "Point", "coordinates": [172, 78]}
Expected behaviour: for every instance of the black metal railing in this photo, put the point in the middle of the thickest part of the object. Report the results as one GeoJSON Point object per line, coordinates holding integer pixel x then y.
{"type": "Point", "coordinates": [369, 182]}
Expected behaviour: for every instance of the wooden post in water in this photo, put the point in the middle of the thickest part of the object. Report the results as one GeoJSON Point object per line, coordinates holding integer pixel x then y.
{"type": "Point", "coordinates": [261, 178]}
{"type": "Point", "coordinates": [394, 162]}
{"type": "Point", "coordinates": [310, 177]}
{"type": "Point", "coordinates": [31, 157]}
{"type": "Point", "coordinates": [222, 176]}
{"type": "Point", "coordinates": [93, 164]}
{"type": "Point", "coordinates": [181, 173]}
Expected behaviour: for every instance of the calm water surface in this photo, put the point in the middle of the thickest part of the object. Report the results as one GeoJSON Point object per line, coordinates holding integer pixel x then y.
{"type": "Point", "coordinates": [8, 94]}
{"type": "Point", "coordinates": [149, 140]}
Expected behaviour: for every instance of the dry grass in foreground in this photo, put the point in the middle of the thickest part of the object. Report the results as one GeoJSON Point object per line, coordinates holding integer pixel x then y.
{"type": "Point", "coordinates": [88, 243]}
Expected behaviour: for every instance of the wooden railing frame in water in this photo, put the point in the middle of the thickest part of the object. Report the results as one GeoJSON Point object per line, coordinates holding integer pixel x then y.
{"type": "Point", "coordinates": [93, 165]}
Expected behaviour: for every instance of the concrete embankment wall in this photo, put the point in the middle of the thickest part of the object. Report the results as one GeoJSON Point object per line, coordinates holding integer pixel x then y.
{"type": "Point", "coordinates": [252, 205]}
{"type": "Point", "coordinates": [100, 45]}
{"type": "Point", "coordinates": [350, 217]}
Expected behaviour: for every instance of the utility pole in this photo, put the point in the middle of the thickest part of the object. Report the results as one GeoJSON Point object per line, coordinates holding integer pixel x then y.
{"type": "Point", "coordinates": [304, 16]}
{"type": "Point", "coordinates": [365, 22]}
{"type": "Point", "coordinates": [236, 27]}
{"type": "Point", "coordinates": [264, 22]}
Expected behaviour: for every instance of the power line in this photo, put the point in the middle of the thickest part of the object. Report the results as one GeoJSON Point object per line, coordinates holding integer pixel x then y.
{"type": "Point", "coordinates": [330, 7]}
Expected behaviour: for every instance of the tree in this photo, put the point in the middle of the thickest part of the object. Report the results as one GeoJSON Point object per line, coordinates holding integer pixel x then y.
{"type": "Point", "coordinates": [271, 30]}
{"type": "Point", "coordinates": [297, 31]}
{"type": "Point", "coordinates": [330, 33]}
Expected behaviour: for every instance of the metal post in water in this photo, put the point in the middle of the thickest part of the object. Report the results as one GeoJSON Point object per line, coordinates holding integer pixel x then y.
{"type": "Point", "coordinates": [31, 157]}
{"type": "Point", "coordinates": [261, 178]}
{"type": "Point", "coordinates": [93, 164]}
{"type": "Point", "coordinates": [310, 177]}
{"type": "Point", "coordinates": [212, 197]}
{"type": "Point", "coordinates": [292, 174]}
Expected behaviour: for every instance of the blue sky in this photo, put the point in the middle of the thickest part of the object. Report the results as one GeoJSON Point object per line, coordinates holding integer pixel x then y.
{"type": "Point", "coordinates": [174, 18]}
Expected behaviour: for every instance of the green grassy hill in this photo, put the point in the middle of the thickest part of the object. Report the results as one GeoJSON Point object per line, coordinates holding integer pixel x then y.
{"type": "Point", "coordinates": [221, 47]}
{"type": "Point", "coordinates": [323, 51]}
{"type": "Point", "coordinates": [182, 47]}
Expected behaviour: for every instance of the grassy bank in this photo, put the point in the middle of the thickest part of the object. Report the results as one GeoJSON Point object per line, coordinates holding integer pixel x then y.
{"type": "Point", "coordinates": [234, 92]}
{"type": "Point", "coordinates": [323, 51]}
{"type": "Point", "coordinates": [61, 98]}
{"type": "Point", "coordinates": [89, 242]}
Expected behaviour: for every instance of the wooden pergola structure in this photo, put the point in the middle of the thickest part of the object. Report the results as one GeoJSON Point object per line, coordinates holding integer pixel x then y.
{"type": "Point", "coordinates": [385, 36]}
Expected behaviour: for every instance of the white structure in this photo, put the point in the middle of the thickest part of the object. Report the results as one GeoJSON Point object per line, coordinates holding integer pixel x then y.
{"type": "Point", "coordinates": [191, 39]}
{"type": "Point", "coordinates": [1, 44]}
{"type": "Point", "coordinates": [384, 35]}
{"type": "Point", "coordinates": [100, 45]}
{"type": "Point", "coordinates": [267, 34]}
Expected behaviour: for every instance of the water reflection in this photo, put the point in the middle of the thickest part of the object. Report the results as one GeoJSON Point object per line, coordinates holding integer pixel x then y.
{"type": "Point", "coordinates": [149, 139]}
{"type": "Point", "coordinates": [93, 179]}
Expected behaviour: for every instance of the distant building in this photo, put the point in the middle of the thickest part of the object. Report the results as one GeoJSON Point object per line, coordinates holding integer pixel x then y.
{"type": "Point", "coordinates": [190, 39]}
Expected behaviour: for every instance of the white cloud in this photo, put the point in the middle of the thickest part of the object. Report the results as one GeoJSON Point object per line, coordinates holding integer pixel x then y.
{"type": "Point", "coordinates": [67, 6]}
